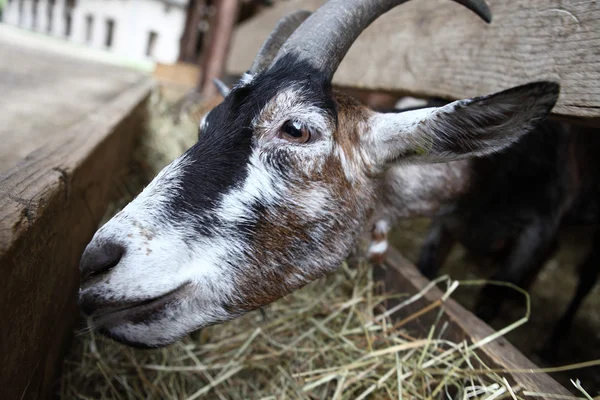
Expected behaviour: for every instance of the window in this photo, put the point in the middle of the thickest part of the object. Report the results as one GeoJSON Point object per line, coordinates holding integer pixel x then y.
{"type": "Point", "coordinates": [68, 23]}
{"type": "Point", "coordinates": [21, 16]}
{"type": "Point", "coordinates": [49, 15]}
{"type": "Point", "coordinates": [110, 28]}
{"type": "Point", "coordinates": [152, 38]}
{"type": "Point", "coordinates": [89, 27]}
{"type": "Point", "coordinates": [34, 14]}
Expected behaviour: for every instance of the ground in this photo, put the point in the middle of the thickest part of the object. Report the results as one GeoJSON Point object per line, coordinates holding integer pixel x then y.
{"type": "Point", "coordinates": [550, 295]}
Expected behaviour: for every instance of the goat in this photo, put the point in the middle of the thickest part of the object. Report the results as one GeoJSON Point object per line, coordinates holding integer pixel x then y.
{"type": "Point", "coordinates": [285, 174]}
{"type": "Point", "coordinates": [510, 207]}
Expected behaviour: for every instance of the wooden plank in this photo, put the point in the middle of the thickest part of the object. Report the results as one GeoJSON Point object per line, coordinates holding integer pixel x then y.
{"type": "Point", "coordinates": [180, 74]}
{"type": "Point", "coordinates": [189, 38]}
{"type": "Point", "coordinates": [218, 43]}
{"type": "Point", "coordinates": [437, 48]}
{"type": "Point", "coordinates": [50, 206]}
{"type": "Point", "coordinates": [400, 276]}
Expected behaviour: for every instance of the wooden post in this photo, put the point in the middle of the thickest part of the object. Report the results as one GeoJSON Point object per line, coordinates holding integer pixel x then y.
{"type": "Point", "coordinates": [189, 38]}
{"type": "Point", "coordinates": [398, 275]}
{"type": "Point", "coordinates": [217, 48]}
{"type": "Point", "coordinates": [438, 49]}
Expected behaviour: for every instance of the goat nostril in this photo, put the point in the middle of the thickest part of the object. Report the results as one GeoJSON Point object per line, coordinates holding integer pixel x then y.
{"type": "Point", "coordinates": [99, 259]}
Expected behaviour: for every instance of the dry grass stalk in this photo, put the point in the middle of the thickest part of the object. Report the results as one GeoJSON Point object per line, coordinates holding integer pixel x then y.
{"type": "Point", "coordinates": [313, 345]}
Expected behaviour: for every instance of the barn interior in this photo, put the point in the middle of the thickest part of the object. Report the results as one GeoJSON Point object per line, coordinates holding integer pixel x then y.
{"type": "Point", "coordinates": [83, 132]}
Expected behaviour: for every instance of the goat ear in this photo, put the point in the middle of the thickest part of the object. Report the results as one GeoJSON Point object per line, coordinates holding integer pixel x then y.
{"type": "Point", "coordinates": [222, 88]}
{"type": "Point", "coordinates": [464, 128]}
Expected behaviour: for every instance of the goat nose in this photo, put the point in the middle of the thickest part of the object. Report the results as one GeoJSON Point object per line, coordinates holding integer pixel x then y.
{"type": "Point", "coordinates": [97, 259]}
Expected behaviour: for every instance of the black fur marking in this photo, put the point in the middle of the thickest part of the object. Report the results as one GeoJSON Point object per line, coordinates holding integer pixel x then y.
{"type": "Point", "coordinates": [514, 186]}
{"type": "Point", "coordinates": [218, 162]}
{"type": "Point", "coordinates": [246, 227]}
{"type": "Point", "coordinates": [487, 121]}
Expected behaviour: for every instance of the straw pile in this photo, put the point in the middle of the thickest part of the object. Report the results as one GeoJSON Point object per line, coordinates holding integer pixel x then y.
{"type": "Point", "coordinates": [321, 342]}
{"type": "Point", "coordinates": [329, 340]}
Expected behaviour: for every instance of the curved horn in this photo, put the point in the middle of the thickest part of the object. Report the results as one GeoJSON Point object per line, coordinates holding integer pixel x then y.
{"type": "Point", "coordinates": [282, 31]}
{"type": "Point", "coordinates": [325, 37]}
{"type": "Point", "coordinates": [221, 87]}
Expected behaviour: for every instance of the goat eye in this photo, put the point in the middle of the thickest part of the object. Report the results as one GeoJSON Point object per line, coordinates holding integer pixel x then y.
{"type": "Point", "coordinates": [294, 131]}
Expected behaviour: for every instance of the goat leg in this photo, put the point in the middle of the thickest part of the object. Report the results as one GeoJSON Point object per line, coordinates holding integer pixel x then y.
{"type": "Point", "coordinates": [529, 253]}
{"type": "Point", "coordinates": [435, 249]}
{"type": "Point", "coordinates": [379, 241]}
{"type": "Point", "coordinates": [588, 276]}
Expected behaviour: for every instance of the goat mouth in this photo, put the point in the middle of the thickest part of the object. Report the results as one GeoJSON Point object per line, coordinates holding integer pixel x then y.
{"type": "Point", "coordinates": [142, 311]}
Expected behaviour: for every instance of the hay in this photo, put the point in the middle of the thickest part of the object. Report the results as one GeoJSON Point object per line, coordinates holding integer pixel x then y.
{"type": "Point", "coordinates": [330, 340]}
{"type": "Point", "coordinates": [322, 342]}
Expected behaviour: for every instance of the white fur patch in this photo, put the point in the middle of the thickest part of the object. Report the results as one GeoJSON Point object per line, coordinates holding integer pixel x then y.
{"type": "Point", "coordinates": [259, 186]}
{"type": "Point", "coordinates": [378, 247]}
{"type": "Point", "coordinates": [203, 122]}
{"type": "Point", "coordinates": [410, 102]}
{"type": "Point", "coordinates": [313, 203]}
{"type": "Point", "coordinates": [246, 79]}
{"type": "Point", "coordinates": [382, 227]}
{"type": "Point", "coordinates": [351, 169]}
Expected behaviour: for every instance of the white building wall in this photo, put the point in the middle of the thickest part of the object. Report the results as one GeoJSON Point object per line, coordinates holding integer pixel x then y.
{"type": "Point", "coordinates": [58, 19]}
{"type": "Point", "coordinates": [26, 17]}
{"type": "Point", "coordinates": [38, 21]}
{"type": "Point", "coordinates": [11, 13]}
{"type": "Point", "coordinates": [42, 16]}
{"type": "Point", "coordinates": [133, 22]}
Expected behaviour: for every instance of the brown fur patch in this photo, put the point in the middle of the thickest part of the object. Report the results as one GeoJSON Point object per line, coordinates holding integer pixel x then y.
{"type": "Point", "coordinates": [283, 237]}
{"type": "Point", "coordinates": [352, 122]}
{"type": "Point", "coordinates": [274, 243]}
{"type": "Point", "coordinates": [286, 255]}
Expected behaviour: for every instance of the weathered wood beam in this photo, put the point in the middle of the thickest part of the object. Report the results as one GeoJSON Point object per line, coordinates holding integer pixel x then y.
{"type": "Point", "coordinates": [50, 206]}
{"type": "Point", "coordinates": [218, 44]}
{"type": "Point", "coordinates": [189, 38]}
{"type": "Point", "coordinates": [438, 48]}
{"type": "Point", "coordinates": [400, 276]}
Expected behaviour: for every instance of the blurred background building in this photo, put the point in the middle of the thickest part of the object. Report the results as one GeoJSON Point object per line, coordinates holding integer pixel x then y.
{"type": "Point", "coordinates": [181, 41]}
{"type": "Point", "coordinates": [136, 29]}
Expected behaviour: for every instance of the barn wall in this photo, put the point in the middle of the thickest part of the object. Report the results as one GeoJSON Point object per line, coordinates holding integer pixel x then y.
{"type": "Point", "coordinates": [439, 48]}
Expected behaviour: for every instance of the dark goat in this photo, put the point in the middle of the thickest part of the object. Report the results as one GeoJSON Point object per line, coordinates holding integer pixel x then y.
{"type": "Point", "coordinates": [513, 208]}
